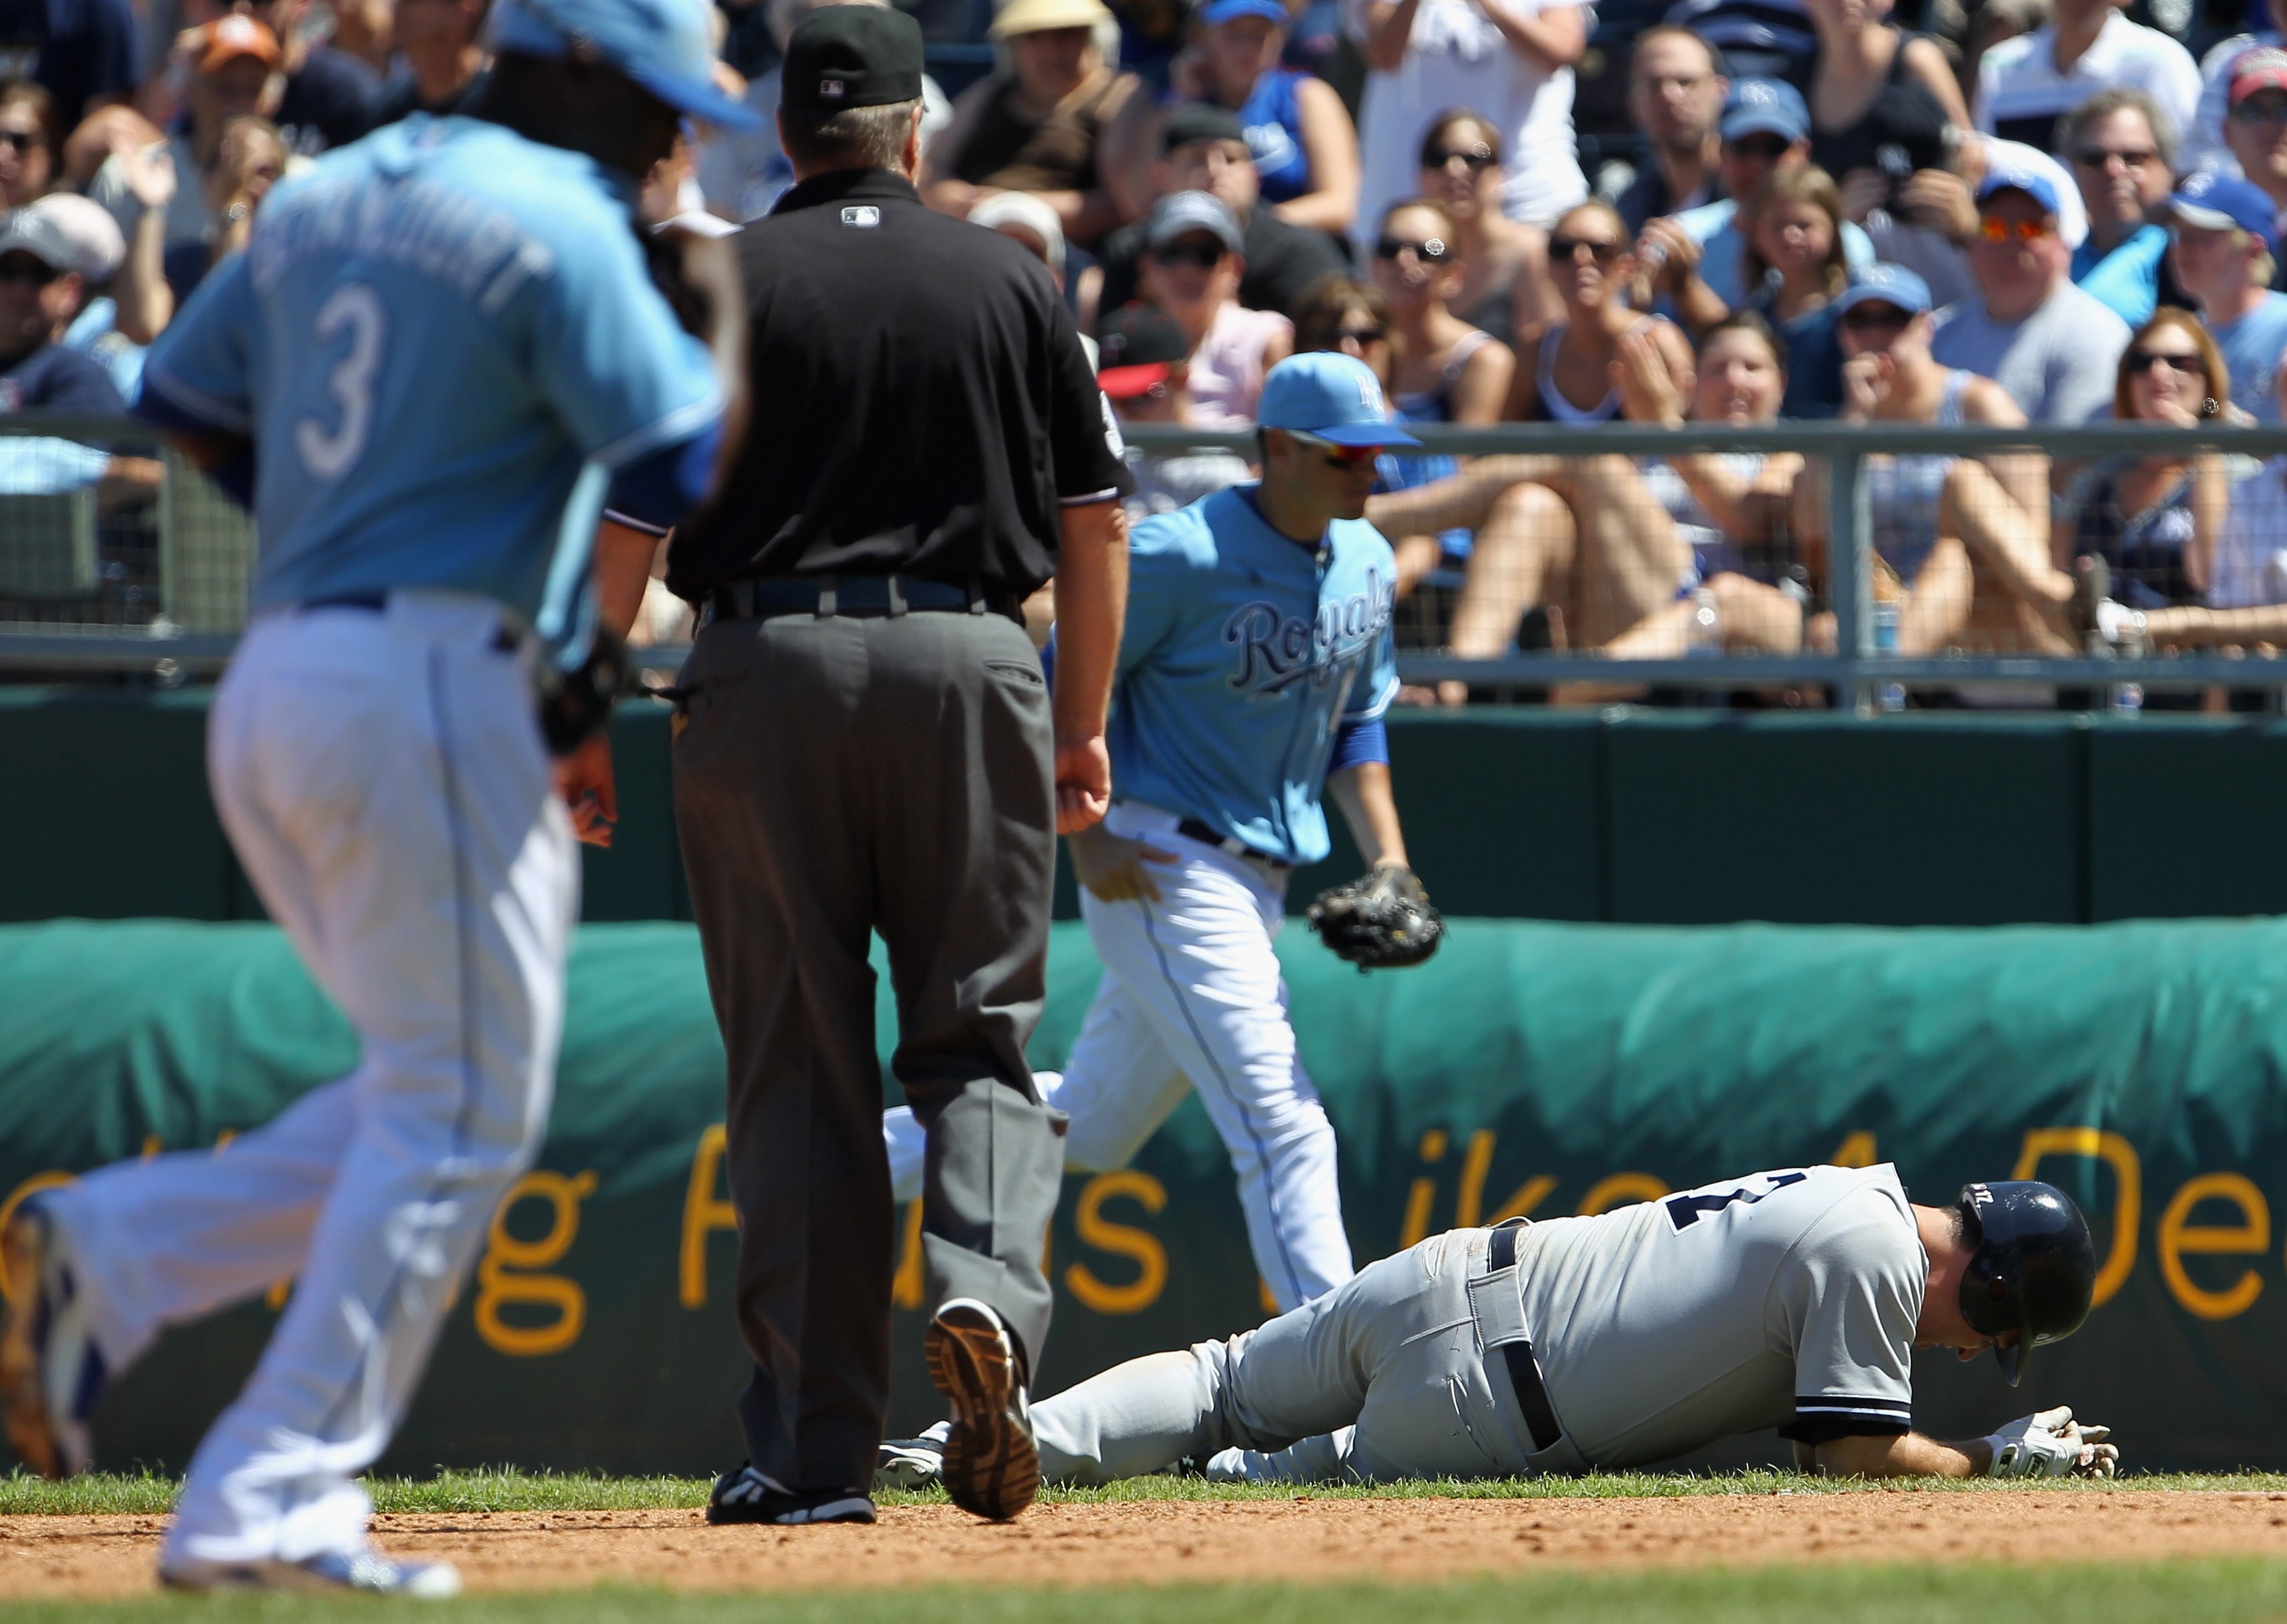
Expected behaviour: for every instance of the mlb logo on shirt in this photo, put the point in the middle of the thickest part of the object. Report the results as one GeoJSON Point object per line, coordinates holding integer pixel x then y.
{"type": "Point", "coordinates": [830, 90]}
{"type": "Point", "coordinates": [861, 214]}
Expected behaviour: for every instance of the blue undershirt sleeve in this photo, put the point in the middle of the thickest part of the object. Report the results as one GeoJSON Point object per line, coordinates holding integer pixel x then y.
{"type": "Point", "coordinates": [1358, 741]}
{"type": "Point", "coordinates": [660, 486]}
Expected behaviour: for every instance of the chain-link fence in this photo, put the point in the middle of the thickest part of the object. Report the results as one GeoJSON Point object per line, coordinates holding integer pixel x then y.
{"type": "Point", "coordinates": [1872, 566]}
{"type": "Point", "coordinates": [115, 554]}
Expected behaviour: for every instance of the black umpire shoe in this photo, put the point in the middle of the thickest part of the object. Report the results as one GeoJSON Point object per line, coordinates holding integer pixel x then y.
{"type": "Point", "coordinates": [992, 1464]}
{"type": "Point", "coordinates": [746, 1496]}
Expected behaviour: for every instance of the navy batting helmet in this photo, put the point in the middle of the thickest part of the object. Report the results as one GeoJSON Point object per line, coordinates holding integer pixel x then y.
{"type": "Point", "coordinates": [2033, 1269]}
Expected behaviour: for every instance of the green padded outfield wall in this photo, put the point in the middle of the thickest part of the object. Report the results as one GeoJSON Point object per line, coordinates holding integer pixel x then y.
{"type": "Point", "coordinates": [1545, 1068]}
{"type": "Point", "coordinates": [1624, 815]}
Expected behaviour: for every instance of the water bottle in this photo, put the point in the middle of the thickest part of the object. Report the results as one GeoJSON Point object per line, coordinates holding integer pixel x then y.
{"type": "Point", "coordinates": [1891, 695]}
{"type": "Point", "coordinates": [1703, 638]}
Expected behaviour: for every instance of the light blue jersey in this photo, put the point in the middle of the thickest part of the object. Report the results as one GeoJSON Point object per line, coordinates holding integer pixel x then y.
{"type": "Point", "coordinates": [2250, 348]}
{"type": "Point", "coordinates": [431, 332]}
{"type": "Point", "coordinates": [1245, 655]}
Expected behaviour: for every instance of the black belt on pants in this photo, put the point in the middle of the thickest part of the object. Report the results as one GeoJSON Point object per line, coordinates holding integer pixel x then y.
{"type": "Point", "coordinates": [1191, 828]}
{"type": "Point", "coordinates": [1523, 1368]}
{"type": "Point", "coordinates": [769, 597]}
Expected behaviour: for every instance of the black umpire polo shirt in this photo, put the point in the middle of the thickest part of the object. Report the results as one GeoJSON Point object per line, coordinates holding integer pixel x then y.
{"type": "Point", "coordinates": [921, 402]}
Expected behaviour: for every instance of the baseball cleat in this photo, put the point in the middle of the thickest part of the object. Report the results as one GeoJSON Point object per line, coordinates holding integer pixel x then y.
{"type": "Point", "coordinates": [912, 1462]}
{"type": "Point", "coordinates": [50, 1373]}
{"type": "Point", "coordinates": [992, 1466]}
{"type": "Point", "coordinates": [749, 1496]}
{"type": "Point", "coordinates": [356, 1572]}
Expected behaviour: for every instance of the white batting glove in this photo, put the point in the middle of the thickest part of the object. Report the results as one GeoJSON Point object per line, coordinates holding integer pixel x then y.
{"type": "Point", "coordinates": [2050, 1443]}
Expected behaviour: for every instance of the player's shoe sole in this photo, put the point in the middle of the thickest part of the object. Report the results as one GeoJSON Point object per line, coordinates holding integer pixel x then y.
{"type": "Point", "coordinates": [992, 1466]}
{"type": "Point", "coordinates": [363, 1573]}
{"type": "Point", "coordinates": [50, 1373]}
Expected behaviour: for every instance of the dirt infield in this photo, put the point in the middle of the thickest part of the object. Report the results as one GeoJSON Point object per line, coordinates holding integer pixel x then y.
{"type": "Point", "coordinates": [1298, 1540]}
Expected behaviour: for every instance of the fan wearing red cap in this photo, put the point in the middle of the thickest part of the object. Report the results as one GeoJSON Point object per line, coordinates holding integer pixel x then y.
{"type": "Point", "coordinates": [1144, 371]}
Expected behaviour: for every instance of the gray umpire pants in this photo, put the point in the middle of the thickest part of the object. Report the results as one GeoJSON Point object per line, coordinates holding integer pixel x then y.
{"type": "Point", "coordinates": [1386, 1376]}
{"type": "Point", "coordinates": [836, 776]}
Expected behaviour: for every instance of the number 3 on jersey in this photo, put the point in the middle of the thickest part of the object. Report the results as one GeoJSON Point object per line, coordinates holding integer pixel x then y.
{"type": "Point", "coordinates": [1683, 1210]}
{"type": "Point", "coordinates": [328, 453]}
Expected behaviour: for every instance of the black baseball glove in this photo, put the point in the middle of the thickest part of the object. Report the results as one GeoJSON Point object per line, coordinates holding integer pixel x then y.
{"type": "Point", "coordinates": [1382, 920]}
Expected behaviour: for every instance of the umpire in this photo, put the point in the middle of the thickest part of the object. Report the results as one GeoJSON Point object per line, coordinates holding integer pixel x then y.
{"type": "Point", "coordinates": [866, 745]}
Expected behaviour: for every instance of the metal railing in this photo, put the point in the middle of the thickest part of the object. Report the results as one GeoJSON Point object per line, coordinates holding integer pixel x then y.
{"type": "Point", "coordinates": [117, 556]}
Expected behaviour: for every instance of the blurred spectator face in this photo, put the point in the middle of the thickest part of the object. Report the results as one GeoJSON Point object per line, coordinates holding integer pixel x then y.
{"type": "Point", "coordinates": [1739, 380]}
{"type": "Point", "coordinates": [437, 26]}
{"type": "Point", "coordinates": [249, 162]}
{"type": "Point", "coordinates": [1871, 327]}
{"type": "Point", "coordinates": [27, 166]}
{"type": "Point", "coordinates": [1755, 157]}
{"type": "Point", "coordinates": [1588, 259]}
{"type": "Point", "coordinates": [2016, 256]}
{"type": "Point", "coordinates": [2118, 166]}
{"type": "Point", "coordinates": [2167, 375]}
{"type": "Point", "coordinates": [2212, 266]}
{"type": "Point", "coordinates": [2256, 132]}
{"type": "Point", "coordinates": [1461, 170]}
{"type": "Point", "coordinates": [36, 301]}
{"type": "Point", "coordinates": [1224, 168]}
{"type": "Point", "coordinates": [1794, 237]}
{"type": "Point", "coordinates": [238, 76]}
{"type": "Point", "coordinates": [1242, 50]}
{"type": "Point", "coordinates": [1414, 263]}
{"type": "Point", "coordinates": [1052, 62]}
{"type": "Point", "coordinates": [1674, 93]}
{"type": "Point", "coordinates": [1190, 278]}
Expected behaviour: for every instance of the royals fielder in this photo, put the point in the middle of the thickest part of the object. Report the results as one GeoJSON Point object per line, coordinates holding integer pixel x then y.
{"type": "Point", "coordinates": [1792, 1299]}
{"type": "Point", "coordinates": [428, 335]}
{"type": "Point", "coordinates": [1254, 673]}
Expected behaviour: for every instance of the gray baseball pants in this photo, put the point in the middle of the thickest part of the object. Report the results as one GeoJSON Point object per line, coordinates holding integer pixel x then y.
{"type": "Point", "coordinates": [837, 776]}
{"type": "Point", "coordinates": [1386, 1376]}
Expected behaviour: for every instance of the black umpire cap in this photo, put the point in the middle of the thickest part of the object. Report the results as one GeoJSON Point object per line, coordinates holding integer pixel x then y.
{"type": "Point", "coordinates": [851, 56]}
{"type": "Point", "coordinates": [1199, 120]}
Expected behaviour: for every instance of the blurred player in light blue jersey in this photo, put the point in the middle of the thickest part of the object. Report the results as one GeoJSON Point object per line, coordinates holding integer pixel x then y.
{"type": "Point", "coordinates": [1254, 674]}
{"type": "Point", "coordinates": [431, 335]}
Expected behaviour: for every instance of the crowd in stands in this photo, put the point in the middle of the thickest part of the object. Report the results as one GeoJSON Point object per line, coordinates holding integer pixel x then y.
{"type": "Point", "coordinates": [2012, 213]}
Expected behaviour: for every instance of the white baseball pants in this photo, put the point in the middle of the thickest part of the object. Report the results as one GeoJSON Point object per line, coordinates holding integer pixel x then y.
{"type": "Point", "coordinates": [1192, 996]}
{"type": "Point", "coordinates": [383, 781]}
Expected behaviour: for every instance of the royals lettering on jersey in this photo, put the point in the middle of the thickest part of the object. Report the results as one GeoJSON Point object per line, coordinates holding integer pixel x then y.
{"type": "Point", "coordinates": [431, 333]}
{"type": "Point", "coordinates": [1782, 1299]}
{"type": "Point", "coordinates": [1244, 653]}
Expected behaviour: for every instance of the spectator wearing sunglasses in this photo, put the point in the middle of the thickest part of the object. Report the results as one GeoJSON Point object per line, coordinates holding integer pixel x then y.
{"type": "Point", "coordinates": [2154, 522]}
{"type": "Point", "coordinates": [1504, 266]}
{"type": "Point", "coordinates": [2203, 143]}
{"type": "Point", "coordinates": [1565, 367]}
{"type": "Point", "coordinates": [2223, 248]}
{"type": "Point", "coordinates": [2050, 345]}
{"type": "Point", "coordinates": [2023, 84]}
{"type": "Point", "coordinates": [29, 141]}
{"type": "Point", "coordinates": [2255, 129]}
{"type": "Point", "coordinates": [1190, 267]}
{"type": "Point", "coordinates": [2123, 153]}
{"type": "Point", "coordinates": [1962, 542]}
{"type": "Point", "coordinates": [40, 293]}
{"type": "Point", "coordinates": [1511, 59]}
{"type": "Point", "coordinates": [1694, 264]}
{"type": "Point", "coordinates": [1203, 149]}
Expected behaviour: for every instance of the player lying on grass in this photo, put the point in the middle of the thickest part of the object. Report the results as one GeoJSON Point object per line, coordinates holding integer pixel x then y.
{"type": "Point", "coordinates": [1791, 1299]}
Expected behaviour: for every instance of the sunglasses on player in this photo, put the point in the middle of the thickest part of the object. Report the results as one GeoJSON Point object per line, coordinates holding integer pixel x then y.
{"type": "Point", "coordinates": [1995, 229]}
{"type": "Point", "coordinates": [1349, 459]}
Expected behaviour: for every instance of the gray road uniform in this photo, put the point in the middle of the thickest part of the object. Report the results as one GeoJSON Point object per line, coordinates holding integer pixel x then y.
{"type": "Point", "coordinates": [1785, 1299]}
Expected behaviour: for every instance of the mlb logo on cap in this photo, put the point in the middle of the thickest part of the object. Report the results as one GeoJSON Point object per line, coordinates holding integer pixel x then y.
{"type": "Point", "coordinates": [830, 90]}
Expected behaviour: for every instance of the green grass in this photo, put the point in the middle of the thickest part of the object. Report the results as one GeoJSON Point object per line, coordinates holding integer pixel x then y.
{"type": "Point", "coordinates": [506, 1490]}
{"type": "Point", "coordinates": [2223, 1592]}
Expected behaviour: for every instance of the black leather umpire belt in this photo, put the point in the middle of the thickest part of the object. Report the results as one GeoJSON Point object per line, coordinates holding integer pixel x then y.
{"type": "Point", "coordinates": [1515, 1350]}
{"type": "Point", "coordinates": [769, 597]}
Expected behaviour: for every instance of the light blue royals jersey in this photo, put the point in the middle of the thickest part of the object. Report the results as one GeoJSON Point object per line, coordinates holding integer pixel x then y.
{"type": "Point", "coordinates": [1244, 654]}
{"type": "Point", "coordinates": [430, 333]}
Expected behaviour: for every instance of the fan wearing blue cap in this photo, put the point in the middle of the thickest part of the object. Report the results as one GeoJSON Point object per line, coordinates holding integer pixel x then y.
{"type": "Point", "coordinates": [1254, 673]}
{"type": "Point", "coordinates": [1304, 145]}
{"type": "Point", "coordinates": [438, 339]}
{"type": "Point", "coordinates": [2224, 238]}
{"type": "Point", "coordinates": [2051, 345]}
